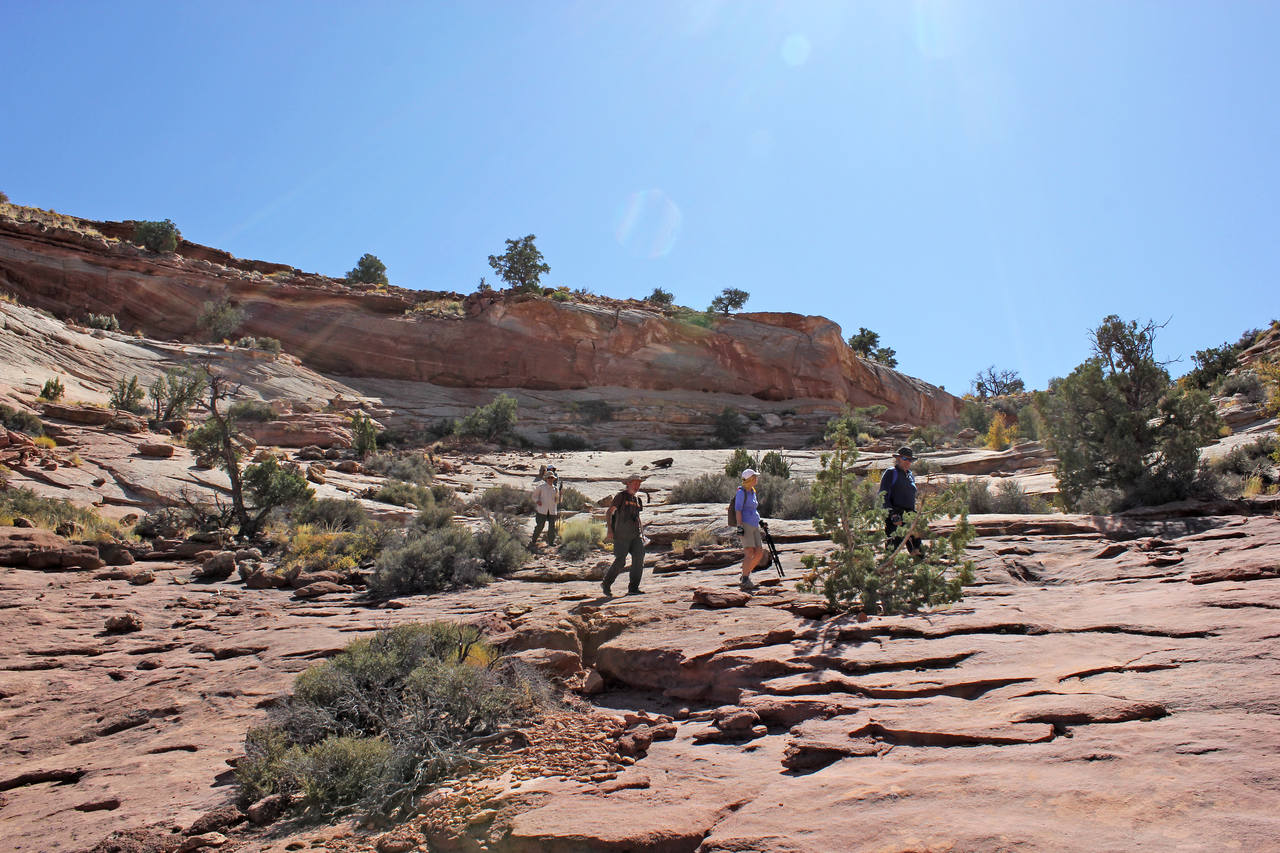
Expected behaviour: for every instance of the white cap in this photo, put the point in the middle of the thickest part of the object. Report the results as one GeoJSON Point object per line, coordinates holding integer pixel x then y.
{"type": "Point", "coordinates": [748, 474]}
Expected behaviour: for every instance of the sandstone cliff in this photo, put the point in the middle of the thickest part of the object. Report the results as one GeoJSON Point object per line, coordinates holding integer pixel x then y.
{"type": "Point", "coordinates": [73, 267]}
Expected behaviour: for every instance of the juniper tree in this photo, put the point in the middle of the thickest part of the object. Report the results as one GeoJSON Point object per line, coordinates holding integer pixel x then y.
{"type": "Point", "coordinates": [1117, 423]}
{"type": "Point", "coordinates": [730, 299]}
{"type": "Point", "coordinates": [864, 571]}
{"type": "Point", "coordinates": [521, 265]}
{"type": "Point", "coordinates": [368, 270]}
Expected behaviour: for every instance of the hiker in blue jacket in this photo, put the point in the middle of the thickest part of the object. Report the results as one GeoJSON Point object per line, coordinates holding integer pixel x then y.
{"type": "Point", "coordinates": [898, 488]}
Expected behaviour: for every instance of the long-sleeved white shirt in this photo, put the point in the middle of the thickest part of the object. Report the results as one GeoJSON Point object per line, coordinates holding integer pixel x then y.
{"type": "Point", "coordinates": [545, 499]}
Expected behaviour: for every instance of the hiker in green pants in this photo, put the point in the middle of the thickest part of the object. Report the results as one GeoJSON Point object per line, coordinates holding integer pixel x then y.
{"type": "Point", "coordinates": [622, 524]}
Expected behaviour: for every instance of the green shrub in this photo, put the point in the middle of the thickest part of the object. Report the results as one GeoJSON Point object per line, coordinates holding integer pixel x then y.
{"type": "Point", "coordinates": [728, 427]}
{"type": "Point", "coordinates": [1246, 382]}
{"type": "Point", "coordinates": [579, 537]}
{"type": "Point", "coordinates": [506, 499]}
{"type": "Point", "coordinates": [52, 390]}
{"type": "Point", "coordinates": [271, 345]}
{"type": "Point", "coordinates": [21, 421]}
{"type": "Point", "coordinates": [561, 294]}
{"type": "Point", "coordinates": [219, 320]}
{"type": "Point", "coordinates": [861, 419]}
{"type": "Point", "coordinates": [156, 236]}
{"type": "Point", "coordinates": [1212, 364]}
{"type": "Point", "coordinates": [704, 489]}
{"type": "Point", "coordinates": [127, 396]}
{"type": "Point", "coordinates": [369, 270]}
{"type": "Point", "coordinates": [167, 523]}
{"type": "Point", "coordinates": [739, 461]}
{"type": "Point", "coordinates": [660, 298]}
{"type": "Point", "coordinates": [52, 513]}
{"type": "Point", "coordinates": [405, 465]}
{"type": "Point", "coordinates": [491, 422]}
{"type": "Point", "coordinates": [499, 548]}
{"type": "Point", "coordinates": [975, 416]}
{"type": "Point", "coordinates": [572, 500]}
{"type": "Point", "coordinates": [329, 550]}
{"type": "Point", "coordinates": [925, 437]}
{"type": "Point", "coordinates": [566, 441]}
{"type": "Point", "coordinates": [106, 322]}
{"type": "Point", "coordinates": [400, 493]}
{"type": "Point", "coordinates": [782, 498]}
{"type": "Point", "coordinates": [386, 718]}
{"type": "Point", "coordinates": [431, 561]}
{"type": "Point", "coordinates": [253, 411]}
{"type": "Point", "coordinates": [774, 465]}
{"type": "Point", "coordinates": [1009, 498]}
{"type": "Point", "coordinates": [176, 391]}
{"type": "Point", "coordinates": [364, 435]}
{"type": "Point", "coordinates": [334, 514]}
{"type": "Point", "coordinates": [627, 443]}
{"type": "Point", "coordinates": [1098, 501]}
{"type": "Point", "coordinates": [1116, 422]}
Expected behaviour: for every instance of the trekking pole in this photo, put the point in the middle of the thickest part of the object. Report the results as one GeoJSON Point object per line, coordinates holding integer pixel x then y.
{"type": "Point", "coordinates": [773, 549]}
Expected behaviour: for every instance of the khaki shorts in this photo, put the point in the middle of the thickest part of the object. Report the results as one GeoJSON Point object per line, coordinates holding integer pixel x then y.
{"type": "Point", "coordinates": [751, 537]}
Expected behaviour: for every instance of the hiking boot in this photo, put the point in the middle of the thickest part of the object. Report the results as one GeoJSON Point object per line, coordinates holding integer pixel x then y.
{"type": "Point", "coordinates": [635, 592]}
{"type": "Point", "coordinates": [608, 589]}
{"type": "Point", "coordinates": [746, 585]}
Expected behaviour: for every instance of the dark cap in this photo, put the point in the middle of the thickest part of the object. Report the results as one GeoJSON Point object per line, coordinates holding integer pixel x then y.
{"type": "Point", "coordinates": [905, 452]}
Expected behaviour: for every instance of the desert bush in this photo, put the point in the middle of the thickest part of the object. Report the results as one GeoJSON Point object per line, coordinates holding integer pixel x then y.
{"type": "Point", "coordinates": [20, 421]}
{"type": "Point", "coordinates": [174, 393]}
{"type": "Point", "coordinates": [739, 461]}
{"type": "Point", "coordinates": [1098, 501]}
{"type": "Point", "coordinates": [156, 236]}
{"type": "Point", "coordinates": [660, 298]}
{"type": "Point", "coordinates": [408, 466]}
{"type": "Point", "coordinates": [1030, 424]}
{"type": "Point", "coordinates": [499, 547]}
{"type": "Point", "coordinates": [52, 513]}
{"type": "Point", "coordinates": [506, 499]}
{"type": "Point", "coordinates": [704, 489]}
{"type": "Point", "coordinates": [728, 427]}
{"type": "Point", "coordinates": [271, 345]}
{"type": "Point", "coordinates": [219, 319]}
{"type": "Point", "coordinates": [430, 561]}
{"type": "Point", "coordinates": [369, 270]}
{"type": "Point", "coordinates": [566, 441]}
{"type": "Point", "coordinates": [491, 422]}
{"type": "Point", "coordinates": [127, 396]}
{"type": "Point", "coordinates": [250, 410]}
{"type": "Point", "coordinates": [627, 443]}
{"type": "Point", "coordinates": [779, 498]}
{"type": "Point", "coordinates": [862, 572]}
{"type": "Point", "coordinates": [592, 411]}
{"type": "Point", "coordinates": [572, 500]}
{"type": "Point", "coordinates": [400, 493]}
{"type": "Point", "coordinates": [364, 435]}
{"type": "Point", "coordinates": [579, 537]}
{"type": "Point", "coordinates": [106, 322]}
{"type": "Point", "coordinates": [925, 437]}
{"type": "Point", "coordinates": [334, 514]}
{"type": "Point", "coordinates": [1000, 435]}
{"type": "Point", "coordinates": [979, 496]}
{"type": "Point", "coordinates": [168, 522]}
{"type": "Point", "coordinates": [1212, 365]}
{"type": "Point", "coordinates": [310, 549]}
{"type": "Point", "coordinates": [775, 465]}
{"type": "Point", "coordinates": [1246, 382]}
{"type": "Point", "coordinates": [44, 441]}
{"type": "Point", "coordinates": [52, 390]}
{"type": "Point", "coordinates": [1010, 498]}
{"type": "Point", "coordinates": [385, 718]}
{"type": "Point", "coordinates": [855, 421]}
{"type": "Point", "coordinates": [1117, 423]}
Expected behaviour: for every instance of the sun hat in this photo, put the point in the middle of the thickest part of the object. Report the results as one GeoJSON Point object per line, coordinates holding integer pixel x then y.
{"type": "Point", "coordinates": [749, 473]}
{"type": "Point", "coordinates": [905, 452]}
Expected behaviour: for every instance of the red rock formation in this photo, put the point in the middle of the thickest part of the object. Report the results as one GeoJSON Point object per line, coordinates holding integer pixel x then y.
{"type": "Point", "coordinates": [504, 341]}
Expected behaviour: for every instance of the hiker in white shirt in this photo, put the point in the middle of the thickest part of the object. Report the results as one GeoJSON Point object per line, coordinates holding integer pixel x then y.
{"type": "Point", "coordinates": [546, 506]}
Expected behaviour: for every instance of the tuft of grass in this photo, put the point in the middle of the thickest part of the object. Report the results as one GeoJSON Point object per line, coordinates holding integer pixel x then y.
{"type": "Point", "coordinates": [579, 537]}
{"type": "Point", "coordinates": [51, 513]}
{"type": "Point", "coordinates": [45, 441]}
{"type": "Point", "coordinates": [409, 466]}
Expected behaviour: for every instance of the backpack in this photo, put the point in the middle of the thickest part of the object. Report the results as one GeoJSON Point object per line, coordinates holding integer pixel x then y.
{"type": "Point", "coordinates": [733, 509]}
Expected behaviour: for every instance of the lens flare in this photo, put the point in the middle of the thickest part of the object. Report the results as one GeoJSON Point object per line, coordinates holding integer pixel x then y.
{"type": "Point", "coordinates": [648, 224]}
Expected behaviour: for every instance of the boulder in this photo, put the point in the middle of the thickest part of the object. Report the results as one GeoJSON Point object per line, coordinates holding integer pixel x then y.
{"type": "Point", "coordinates": [124, 623]}
{"type": "Point", "coordinates": [156, 451]}
{"type": "Point", "coordinates": [86, 415]}
{"type": "Point", "coordinates": [319, 588]}
{"type": "Point", "coordinates": [32, 548]}
{"type": "Point", "coordinates": [218, 567]}
{"type": "Point", "coordinates": [716, 599]}
{"type": "Point", "coordinates": [268, 809]}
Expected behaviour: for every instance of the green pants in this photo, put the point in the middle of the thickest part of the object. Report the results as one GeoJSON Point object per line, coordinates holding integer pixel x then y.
{"type": "Point", "coordinates": [633, 546]}
{"type": "Point", "coordinates": [550, 522]}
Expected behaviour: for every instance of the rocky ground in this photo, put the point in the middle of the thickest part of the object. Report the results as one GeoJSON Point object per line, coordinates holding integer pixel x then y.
{"type": "Point", "coordinates": [1100, 689]}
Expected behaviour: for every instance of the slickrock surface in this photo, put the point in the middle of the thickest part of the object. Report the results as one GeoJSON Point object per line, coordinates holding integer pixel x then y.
{"type": "Point", "coordinates": [1112, 692]}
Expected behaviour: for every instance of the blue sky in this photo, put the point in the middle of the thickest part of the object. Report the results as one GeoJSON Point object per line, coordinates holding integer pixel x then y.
{"type": "Point", "coordinates": [979, 182]}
